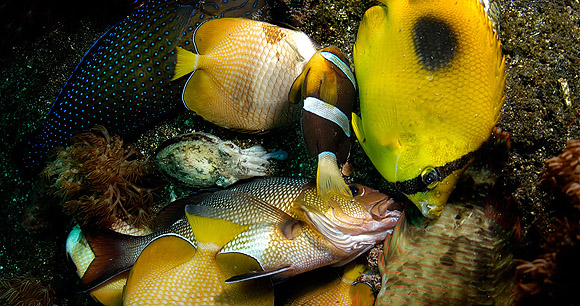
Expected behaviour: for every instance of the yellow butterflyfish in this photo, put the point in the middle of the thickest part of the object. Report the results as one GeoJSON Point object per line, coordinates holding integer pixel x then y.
{"type": "Point", "coordinates": [242, 73]}
{"type": "Point", "coordinates": [431, 80]}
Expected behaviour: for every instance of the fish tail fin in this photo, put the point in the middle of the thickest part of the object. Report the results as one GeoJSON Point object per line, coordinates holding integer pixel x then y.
{"type": "Point", "coordinates": [186, 63]}
{"type": "Point", "coordinates": [329, 180]}
{"type": "Point", "coordinates": [363, 294]}
{"type": "Point", "coordinates": [114, 253]}
{"type": "Point", "coordinates": [216, 231]}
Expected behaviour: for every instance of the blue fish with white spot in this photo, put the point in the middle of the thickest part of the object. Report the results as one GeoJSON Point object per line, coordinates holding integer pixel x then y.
{"type": "Point", "coordinates": [124, 81]}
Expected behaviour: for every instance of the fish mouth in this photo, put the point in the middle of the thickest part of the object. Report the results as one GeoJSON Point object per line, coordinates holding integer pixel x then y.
{"type": "Point", "coordinates": [357, 235]}
{"type": "Point", "coordinates": [385, 208]}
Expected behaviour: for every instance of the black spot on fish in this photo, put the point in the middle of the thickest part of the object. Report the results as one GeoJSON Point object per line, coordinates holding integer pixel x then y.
{"type": "Point", "coordinates": [435, 43]}
{"type": "Point", "coordinates": [447, 260]}
{"type": "Point", "coordinates": [123, 81]}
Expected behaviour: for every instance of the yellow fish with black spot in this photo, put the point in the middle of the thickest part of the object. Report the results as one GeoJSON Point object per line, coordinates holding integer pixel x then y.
{"type": "Point", "coordinates": [172, 271]}
{"type": "Point", "coordinates": [242, 73]}
{"type": "Point", "coordinates": [431, 80]}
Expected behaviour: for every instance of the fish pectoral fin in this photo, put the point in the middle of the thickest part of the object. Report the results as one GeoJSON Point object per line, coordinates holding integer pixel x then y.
{"type": "Point", "coordinates": [234, 263]}
{"type": "Point", "coordinates": [369, 29]}
{"type": "Point", "coordinates": [297, 91]}
{"type": "Point", "coordinates": [211, 230]}
{"type": "Point", "coordinates": [357, 127]}
{"type": "Point", "coordinates": [161, 255]}
{"type": "Point", "coordinates": [256, 275]}
{"type": "Point", "coordinates": [329, 181]}
{"type": "Point", "coordinates": [186, 63]}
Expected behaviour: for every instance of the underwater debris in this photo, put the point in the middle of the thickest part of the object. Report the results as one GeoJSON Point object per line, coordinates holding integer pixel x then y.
{"type": "Point", "coordinates": [25, 290]}
{"type": "Point", "coordinates": [204, 160]}
{"type": "Point", "coordinates": [102, 180]}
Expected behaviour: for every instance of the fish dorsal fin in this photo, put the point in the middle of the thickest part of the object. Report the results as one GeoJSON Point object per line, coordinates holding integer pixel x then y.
{"type": "Point", "coordinates": [176, 210]}
{"type": "Point", "coordinates": [215, 231]}
{"type": "Point", "coordinates": [358, 129]}
{"type": "Point", "coordinates": [329, 181]}
{"type": "Point", "coordinates": [232, 8]}
{"type": "Point", "coordinates": [256, 275]}
{"type": "Point", "coordinates": [232, 264]}
{"type": "Point", "coordinates": [186, 63]}
{"type": "Point", "coordinates": [212, 32]}
{"type": "Point", "coordinates": [161, 255]}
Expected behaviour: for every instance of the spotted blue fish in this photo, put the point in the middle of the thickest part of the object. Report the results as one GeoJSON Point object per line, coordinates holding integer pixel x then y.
{"type": "Point", "coordinates": [124, 82]}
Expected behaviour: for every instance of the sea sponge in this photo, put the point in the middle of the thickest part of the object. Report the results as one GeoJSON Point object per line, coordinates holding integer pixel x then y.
{"type": "Point", "coordinates": [101, 180]}
{"type": "Point", "coordinates": [25, 291]}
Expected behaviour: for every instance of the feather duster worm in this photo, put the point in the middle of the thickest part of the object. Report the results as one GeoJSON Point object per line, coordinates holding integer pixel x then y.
{"type": "Point", "coordinates": [102, 181]}
{"type": "Point", "coordinates": [25, 291]}
{"type": "Point", "coordinates": [553, 277]}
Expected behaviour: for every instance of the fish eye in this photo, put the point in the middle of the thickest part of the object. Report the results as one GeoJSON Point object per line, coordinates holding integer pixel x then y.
{"type": "Point", "coordinates": [430, 177]}
{"type": "Point", "coordinates": [356, 190]}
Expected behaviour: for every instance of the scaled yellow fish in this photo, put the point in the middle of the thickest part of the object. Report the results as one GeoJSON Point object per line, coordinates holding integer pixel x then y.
{"type": "Point", "coordinates": [315, 289]}
{"type": "Point", "coordinates": [431, 81]}
{"type": "Point", "coordinates": [171, 271]}
{"type": "Point", "coordinates": [291, 230]}
{"type": "Point", "coordinates": [243, 72]}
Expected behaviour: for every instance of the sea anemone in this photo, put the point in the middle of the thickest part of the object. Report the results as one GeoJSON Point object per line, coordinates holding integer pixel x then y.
{"type": "Point", "coordinates": [563, 172]}
{"type": "Point", "coordinates": [101, 180]}
{"type": "Point", "coordinates": [553, 276]}
{"type": "Point", "coordinates": [25, 291]}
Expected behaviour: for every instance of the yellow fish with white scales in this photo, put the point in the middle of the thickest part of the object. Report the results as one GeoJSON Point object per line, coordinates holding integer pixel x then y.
{"type": "Point", "coordinates": [319, 288]}
{"type": "Point", "coordinates": [431, 80]}
{"type": "Point", "coordinates": [171, 271]}
{"type": "Point", "coordinates": [242, 73]}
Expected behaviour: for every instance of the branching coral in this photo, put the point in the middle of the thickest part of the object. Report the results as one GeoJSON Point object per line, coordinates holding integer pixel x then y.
{"type": "Point", "coordinates": [553, 277]}
{"type": "Point", "coordinates": [25, 291]}
{"type": "Point", "coordinates": [101, 180]}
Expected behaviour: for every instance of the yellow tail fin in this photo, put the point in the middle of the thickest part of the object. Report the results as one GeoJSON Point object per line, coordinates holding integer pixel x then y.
{"type": "Point", "coordinates": [216, 231]}
{"type": "Point", "coordinates": [329, 181]}
{"type": "Point", "coordinates": [186, 63]}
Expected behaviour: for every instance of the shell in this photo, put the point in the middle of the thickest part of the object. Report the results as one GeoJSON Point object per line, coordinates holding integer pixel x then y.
{"type": "Point", "coordinates": [204, 160]}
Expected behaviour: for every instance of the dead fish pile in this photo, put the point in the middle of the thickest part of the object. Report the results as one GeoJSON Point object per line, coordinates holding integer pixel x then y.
{"type": "Point", "coordinates": [277, 227]}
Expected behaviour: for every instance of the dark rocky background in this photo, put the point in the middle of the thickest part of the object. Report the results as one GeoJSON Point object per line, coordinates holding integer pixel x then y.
{"type": "Point", "coordinates": [42, 41]}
